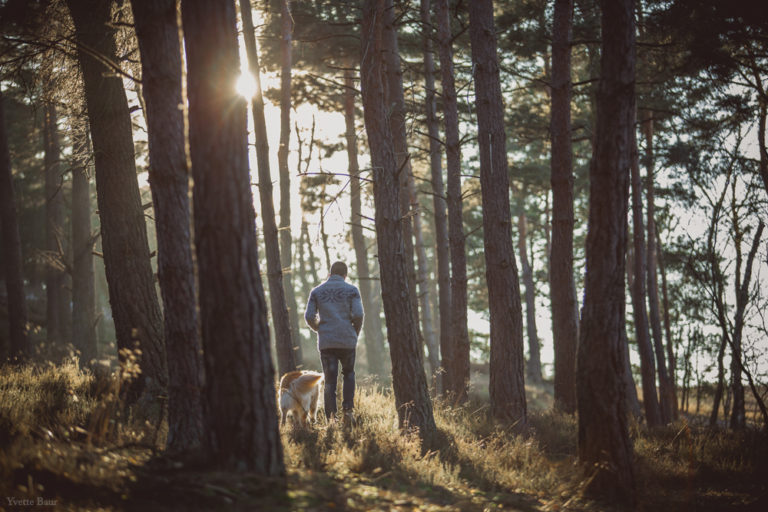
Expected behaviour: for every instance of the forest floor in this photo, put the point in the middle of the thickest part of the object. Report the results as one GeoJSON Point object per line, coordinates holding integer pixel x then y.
{"type": "Point", "coordinates": [64, 446]}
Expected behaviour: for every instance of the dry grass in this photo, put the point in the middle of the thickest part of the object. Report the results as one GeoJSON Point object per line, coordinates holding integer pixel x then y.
{"type": "Point", "coordinates": [64, 437]}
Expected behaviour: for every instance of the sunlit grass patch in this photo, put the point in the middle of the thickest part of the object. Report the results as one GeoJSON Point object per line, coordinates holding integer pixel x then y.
{"type": "Point", "coordinates": [65, 433]}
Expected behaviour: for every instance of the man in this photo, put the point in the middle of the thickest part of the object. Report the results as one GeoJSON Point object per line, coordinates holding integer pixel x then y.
{"type": "Point", "coordinates": [335, 312]}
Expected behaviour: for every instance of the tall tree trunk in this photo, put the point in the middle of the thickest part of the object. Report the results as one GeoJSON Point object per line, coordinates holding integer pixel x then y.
{"type": "Point", "coordinates": [374, 344]}
{"type": "Point", "coordinates": [565, 313]}
{"type": "Point", "coordinates": [83, 278]}
{"type": "Point", "coordinates": [442, 248]}
{"type": "Point", "coordinates": [286, 249]}
{"type": "Point", "coordinates": [604, 443]}
{"type": "Point", "coordinates": [433, 350]}
{"type": "Point", "coordinates": [12, 261]}
{"type": "Point", "coordinates": [241, 413]}
{"type": "Point", "coordinates": [720, 382]}
{"type": "Point", "coordinates": [455, 352]}
{"type": "Point", "coordinates": [302, 262]}
{"type": "Point", "coordinates": [533, 369]}
{"type": "Point", "coordinates": [408, 208]}
{"type": "Point", "coordinates": [666, 393]}
{"type": "Point", "coordinates": [157, 30]}
{"type": "Point", "coordinates": [668, 329]}
{"type": "Point", "coordinates": [647, 367]}
{"type": "Point", "coordinates": [54, 229]}
{"type": "Point", "coordinates": [762, 115]}
{"type": "Point", "coordinates": [286, 346]}
{"type": "Point", "coordinates": [323, 235]}
{"type": "Point", "coordinates": [738, 414]}
{"type": "Point", "coordinates": [132, 294]}
{"type": "Point", "coordinates": [507, 385]}
{"type": "Point", "coordinates": [414, 407]}
{"type": "Point", "coordinates": [312, 259]}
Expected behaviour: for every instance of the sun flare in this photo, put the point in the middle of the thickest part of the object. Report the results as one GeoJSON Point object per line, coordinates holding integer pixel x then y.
{"type": "Point", "coordinates": [246, 85]}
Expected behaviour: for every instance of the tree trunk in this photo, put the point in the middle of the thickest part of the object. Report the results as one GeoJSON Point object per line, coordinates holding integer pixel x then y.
{"type": "Point", "coordinates": [312, 259]}
{"type": "Point", "coordinates": [604, 443]}
{"type": "Point", "coordinates": [565, 313]}
{"type": "Point", "coordinates": [132, 294]}
{"type": "Point", "coordinates": [762, 114]}
{"type": "Point", "coordinates": [157, 30]}
{"type": "Point", "coordinates": [374, 344]}
{"type": "Point", "coordinates": [442, 248]}
{"type": "Point", "coordinates": [720, 382]}
{"type": "Point", "coordinates": [648, 371]}
{"type": "Point", "coordinates": [396, 115]}
{"type": "Point", "coordinates": [455, 352]}
{"type": "Point", "coordinates": [83, 278]}
{"type": "Point", "coordinates": [286, 347]}
{"type": "Point", "coordinates": [323, 234]}
{"type": "Point", "coordinates": [12, 260]}
{"type": "Point", "coordinates": [666, 394]}
{"type": "Point", "coordinates": [286, 248]}
{"type": "Point", "coordinates": [241, 413]}
{"type": "Point", "coordinates": [56, 303]}
{"type": "Point", "coordinates": [507, 386]}
{"type": "Point", "coordinates": [738, 415]}
{"type": "Point", "coordinates": [414, 407]}
{"type": "Point", "coordinates": [433, 351]}
{"type": "Point", "coordinates": [667, 329]}
{"type": "Point", "coordinates": [533, 369]}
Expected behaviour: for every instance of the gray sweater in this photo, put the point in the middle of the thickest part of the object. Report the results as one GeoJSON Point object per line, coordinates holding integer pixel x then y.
{"type": "Point", "coordinates": [335, 312]}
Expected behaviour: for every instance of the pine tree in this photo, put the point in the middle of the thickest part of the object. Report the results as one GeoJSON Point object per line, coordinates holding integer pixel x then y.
{"type": "Point", "coordinates": [241, 411]}
{"type": "Point", "coordinates": [414, 407]}
{"type": "Point", "coordinates": [507, 387]}
{"type": "Point", "coordinates": [157, 31]}
{"type": "Point", "coordinates": [604, 443]}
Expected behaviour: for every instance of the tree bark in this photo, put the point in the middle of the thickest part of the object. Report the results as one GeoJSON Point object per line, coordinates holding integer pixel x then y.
{"type": "Point", "coordinates": [762, 115]}
{"type": "Point", "coordinates": [507, 386]}
{"type": "Point", "coordinates": [132, 294]}
{"type": "Point", "coordinates": [286, 346]}
{"type": "Point", "coordinates": [433, 350]}
{"type": "Point", "coordinates": [455, 352]}
{"type": "Point", "coordinates": [83, 278]}
{"type": "Point", "coordinates": [738, 413]}
{"type": "Point", "coordinates": [157, 30]}
{"type": "Point", "coordinates": [18, 348]}
{"type": "Point", "coordinates": [241, 412]}
{"type": "Point", "coordinates": [720, 382]}
{"type": "Point", "coordinates": [533, 368]}
{"type": "Point", "coordinates": [668, 329]}
{"type": "Point", "coordinates": [374, 343]}
{"type": "Point", "coordinates": [286, 248]}
{"type": "Point", "coordinates": [565, 314]}
{"type": "Point", "coordinates": [56, 304]}
{"type": "Point", "coordinates": [442, 248]}
{"type": "Point", "coordinates": [604, 443]}
{"type": "Point", "coordinates": [409, 209]}
{"type": "Point", "coordinates": [312, 259]}
{"type": "Point", "coordinates": [666, 393]}
{"type": "Point", "coordinates": [414, 407]}
{"type": "Point", "coordinates": [648, 370]}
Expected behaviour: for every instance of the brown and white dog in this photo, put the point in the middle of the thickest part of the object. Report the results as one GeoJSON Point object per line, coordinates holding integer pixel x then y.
{"type": "Point", "coordinates": [299, 394]}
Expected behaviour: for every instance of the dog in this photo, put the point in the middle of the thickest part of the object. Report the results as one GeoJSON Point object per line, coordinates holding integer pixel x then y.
{"type": "Point", "coordinates": [299, 394]}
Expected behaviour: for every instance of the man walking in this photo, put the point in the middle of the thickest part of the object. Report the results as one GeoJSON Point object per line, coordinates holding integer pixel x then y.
{"type": "Point", "coordinates": [335, 312]}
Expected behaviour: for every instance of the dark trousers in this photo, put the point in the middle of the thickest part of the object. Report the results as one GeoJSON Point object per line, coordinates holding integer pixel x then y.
{"type": "Point", "coordinates": [330, 358]}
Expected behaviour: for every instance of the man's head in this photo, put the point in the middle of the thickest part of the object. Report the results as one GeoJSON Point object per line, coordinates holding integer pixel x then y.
{"type": "Point", "coordinates": [339, 268]}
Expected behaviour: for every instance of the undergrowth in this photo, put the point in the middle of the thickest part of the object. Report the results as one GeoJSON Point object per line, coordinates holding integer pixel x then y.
{"type": "Point", "coordinates": [66, 438]}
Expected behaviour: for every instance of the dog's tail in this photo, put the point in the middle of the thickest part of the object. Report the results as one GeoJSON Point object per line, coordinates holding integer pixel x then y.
{"type": "Point", "coordinates": [308, 381]}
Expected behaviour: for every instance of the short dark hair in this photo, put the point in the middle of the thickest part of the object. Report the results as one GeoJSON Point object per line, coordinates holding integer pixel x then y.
{"type": "Point", "coordinates": [339, 268]}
